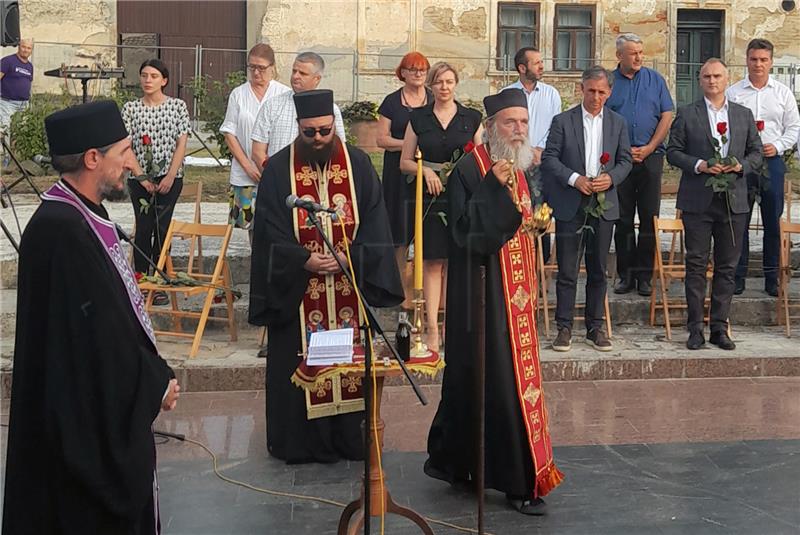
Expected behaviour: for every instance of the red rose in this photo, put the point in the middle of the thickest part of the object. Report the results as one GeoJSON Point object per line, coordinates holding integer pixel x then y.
{"type": "Point", "coordinates": [146, 140]}
{"type": "Point", "coordinates": [138, 275]}
{"type": "Point", "coordinates": [469, 147]}
{"type": "Point", "coordinates": [722, 127]}
{"type": "Point", "coordinates": [759, 125]}
{"type": "Point", "coordinates": [605, 158]}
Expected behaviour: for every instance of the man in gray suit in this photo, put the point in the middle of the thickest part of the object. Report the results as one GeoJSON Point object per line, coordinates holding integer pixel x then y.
{"type": "Point", "coordinates": [707, 214]}
{"type": "Point", "coordinates": [572, 173]}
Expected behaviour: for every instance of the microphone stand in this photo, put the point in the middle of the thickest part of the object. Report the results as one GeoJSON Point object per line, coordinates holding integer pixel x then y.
{"type": "Point", "coordinates": [371, 325]}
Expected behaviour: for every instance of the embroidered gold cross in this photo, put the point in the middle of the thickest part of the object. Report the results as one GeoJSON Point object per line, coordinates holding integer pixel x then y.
{"type": "Point", "coordinates": [306, 175]}
{"type": "Point", "coordinates": [315, 288]}
{"type": "Point", "coordinates": [343, 286]}
{"type": "Point", "coordinates": [337, 174]}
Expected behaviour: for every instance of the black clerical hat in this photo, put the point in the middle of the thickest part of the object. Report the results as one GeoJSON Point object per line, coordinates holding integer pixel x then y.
{"type": "Point", "coordinates": [509, 98]}
{"type": "Point", "coordinates": [314, 103]}
{"type": "Point", "coordinates": [88, 126]}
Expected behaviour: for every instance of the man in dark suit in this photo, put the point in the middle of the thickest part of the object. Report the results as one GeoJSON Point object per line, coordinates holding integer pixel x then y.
{"type": "Point", "coordinates": [572, 171]}
{"type": "Point", "coordinates": [707, 214]}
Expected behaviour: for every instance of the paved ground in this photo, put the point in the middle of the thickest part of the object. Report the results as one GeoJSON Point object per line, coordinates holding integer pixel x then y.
{"type": "Point", "coordinates": [658, 456]}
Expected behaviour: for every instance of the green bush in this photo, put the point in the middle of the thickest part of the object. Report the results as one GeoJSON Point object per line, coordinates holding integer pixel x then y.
{"type": "Point", "coordinates": [28, 137]}
{"type": "Point", "coordinates": [362, 110]}
{"type": "Point", "coordinates": [212, 102]}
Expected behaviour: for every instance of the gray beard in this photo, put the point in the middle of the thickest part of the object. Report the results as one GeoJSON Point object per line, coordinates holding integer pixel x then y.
{"type": "Point", "coordinates": [109, 193]}
{"type": "Point", "coordinates": [499, 149]}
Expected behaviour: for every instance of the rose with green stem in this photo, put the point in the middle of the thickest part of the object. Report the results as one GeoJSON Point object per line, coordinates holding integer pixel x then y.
{"type": "Point", "coordinates": [723, 182]}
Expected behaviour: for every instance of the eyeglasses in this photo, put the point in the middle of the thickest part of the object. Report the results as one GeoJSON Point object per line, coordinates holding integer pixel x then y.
{"type": "Point", "coordinates": [312, 132]}
{"type": "Point", "coordinates": [417, 72]}
{"type": "Point", "coordinates": [259, 68]}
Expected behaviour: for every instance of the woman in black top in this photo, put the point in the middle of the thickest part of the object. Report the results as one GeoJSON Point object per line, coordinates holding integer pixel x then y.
{"type": "Point", "coordinates": [394, 114]}
{"type": "Point", "coordinates": [439, 129]}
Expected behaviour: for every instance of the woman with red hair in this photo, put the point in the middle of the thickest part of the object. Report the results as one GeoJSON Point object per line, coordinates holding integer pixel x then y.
{"type": "Point", "coordinates": [394, 113]}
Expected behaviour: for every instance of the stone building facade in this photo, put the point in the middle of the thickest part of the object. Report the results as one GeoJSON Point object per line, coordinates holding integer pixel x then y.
{"type": "Point", "coordinates": [363, 40]}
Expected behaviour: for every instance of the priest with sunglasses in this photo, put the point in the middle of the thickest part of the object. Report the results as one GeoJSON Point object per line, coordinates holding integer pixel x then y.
{"type": "Point", "coordinates": [297, 287]}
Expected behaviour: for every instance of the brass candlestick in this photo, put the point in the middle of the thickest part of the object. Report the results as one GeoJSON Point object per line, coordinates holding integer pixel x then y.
{"type": "Point", "coordinates": [418, 348]}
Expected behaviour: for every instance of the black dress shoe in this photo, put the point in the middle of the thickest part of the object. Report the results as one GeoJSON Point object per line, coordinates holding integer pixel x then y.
{"type": "Point", "coordinates": [262, 353]}
{"type": "Point", "coordinates": [696, 340]}
{"type": "Point", "coordinates": [624, 286]}
{"type": "Point", "coordinates": [645, 289]}
{"type": "Point", "coordinates": [771, 289]}
{"type": "Point", "coordinates": [527, 506]}
{"type": "Point", "coordinates": [722, 341]}
{"type": "Point", "coordinates": [739, 289]}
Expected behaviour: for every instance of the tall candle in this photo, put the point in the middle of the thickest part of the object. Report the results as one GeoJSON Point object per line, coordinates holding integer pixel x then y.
{"type": "Point", "coordinates": [418, 224]}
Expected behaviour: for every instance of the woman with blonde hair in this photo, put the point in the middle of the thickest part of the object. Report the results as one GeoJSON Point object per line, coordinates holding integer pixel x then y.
{"type": "Point", "coordinates": [244, 103]}
{"type": "Point", "coordinates": [394, 113]}
{"type": "Point", "coordinates": [441, 130]}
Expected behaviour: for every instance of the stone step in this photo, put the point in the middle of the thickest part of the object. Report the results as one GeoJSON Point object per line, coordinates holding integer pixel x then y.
{"type": "Point", "coordinates": [752, 308]}
{"type": "Point", "coordinates": [638, 354]}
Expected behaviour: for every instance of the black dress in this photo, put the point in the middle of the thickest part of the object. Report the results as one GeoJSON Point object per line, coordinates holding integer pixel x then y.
{"type": "Point", "coordinates": [397, 193]}
{"type": "Point", "coordinates": [438, 145]}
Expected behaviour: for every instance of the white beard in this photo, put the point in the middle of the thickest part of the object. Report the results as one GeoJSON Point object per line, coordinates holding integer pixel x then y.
{"type": "Point", "coordinates": [499, 149]}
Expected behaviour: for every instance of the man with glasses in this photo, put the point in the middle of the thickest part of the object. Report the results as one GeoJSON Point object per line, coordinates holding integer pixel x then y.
{"type": "Point", "coordinates": [297, 288]}
{"type": "Point", "coordinates": [276, 123]}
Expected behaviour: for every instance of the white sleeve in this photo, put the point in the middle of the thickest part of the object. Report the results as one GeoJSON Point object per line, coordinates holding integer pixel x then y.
{"type": "Point", "coordinates": [263, 124]}
{"type": "Point", "coordinates": [339, 123]}
{"type": "Point", "coordinates": [790, 123]}
{"type": "Point", "coordinates": [231, 115]}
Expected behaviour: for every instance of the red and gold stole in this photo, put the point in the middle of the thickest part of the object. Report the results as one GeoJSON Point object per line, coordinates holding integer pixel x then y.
{"type": "Point", "coordinates": [329, 302]}
{"type": "Point", "coordinates": [520, 289]}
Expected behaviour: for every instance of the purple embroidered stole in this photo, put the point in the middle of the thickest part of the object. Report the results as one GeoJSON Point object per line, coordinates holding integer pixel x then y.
{"type": "Point", "coordinates": [106, 232]}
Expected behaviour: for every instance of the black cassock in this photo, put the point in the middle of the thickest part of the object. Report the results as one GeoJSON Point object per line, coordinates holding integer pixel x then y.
{"type": "Point", "coordinates": [87, 385]}
{"type": "Point", "coordinates": [278, 282]}
{"type": "Point", "coordinates": [482, 218]}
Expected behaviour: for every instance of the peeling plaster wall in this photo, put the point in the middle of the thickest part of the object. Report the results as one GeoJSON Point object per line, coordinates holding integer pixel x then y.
{"type": "Point", "coordinates": [87, 23]}
{"type": "Point", "coordinates": [464, 32]}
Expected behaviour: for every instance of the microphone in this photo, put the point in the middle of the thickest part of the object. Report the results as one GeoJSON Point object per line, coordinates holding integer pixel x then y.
{"type": "Point", "coordinates": [293, 201]}
{"type": "Point", "coordinates": [125, 237]}
{"type": "Point", "coordinates": [40, 160]}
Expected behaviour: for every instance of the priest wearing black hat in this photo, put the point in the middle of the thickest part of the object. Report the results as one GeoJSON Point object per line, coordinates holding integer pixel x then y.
{"type": "Point", "coordinates": [297, 288]}
{"type": "Point", "coordinates": [88, 379]}
{"type": "Point", "coordinates": [490, 221]}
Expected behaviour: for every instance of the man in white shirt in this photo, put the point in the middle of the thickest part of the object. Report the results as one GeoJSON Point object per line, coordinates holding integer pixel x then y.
{"type": "Point", "coordinates": [588, 152]}
{"type": "Point", "coordinates": [276, 124]}
{"type": "Point", "coordinates": [544, 103]}
{"type": "Point", "coordinates": [778, 121]}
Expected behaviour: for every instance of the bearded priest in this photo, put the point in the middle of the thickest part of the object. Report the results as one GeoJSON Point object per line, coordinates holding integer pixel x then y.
{"type": "Point", "coordinates": [491, 221]}
{"type": "Point", "coordinates": [297, 288]}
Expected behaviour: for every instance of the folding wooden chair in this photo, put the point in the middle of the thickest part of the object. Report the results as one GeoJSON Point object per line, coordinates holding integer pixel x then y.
{"type": "Point", "coordinates": [788, 306]}
{"type": "Point", "coordinates": [219, 279]}
{"type": "Point", "coordinates": [670, 266]}
{"type": "Point", "coordinates": [788, 195]}
{"type": "Point", "coordinates": [191, 193]}
{"type": "Point", "coordinates": [548, 271]}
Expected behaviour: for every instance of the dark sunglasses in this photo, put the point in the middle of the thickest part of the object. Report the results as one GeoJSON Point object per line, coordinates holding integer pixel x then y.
{"type": "Point", "coordinates": [312, 132]}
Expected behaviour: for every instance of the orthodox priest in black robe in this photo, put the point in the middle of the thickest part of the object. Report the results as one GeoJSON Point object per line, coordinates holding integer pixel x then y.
{"type": "Point", "coordinates": [88, 380]}
{"type": "Point", "coordinates": [296, 287]}
{"type": "Point", "coordinates": [492, 223]}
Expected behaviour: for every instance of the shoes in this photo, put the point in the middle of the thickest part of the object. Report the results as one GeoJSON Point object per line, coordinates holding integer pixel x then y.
{"type": "Point", "coordinates": [772, 289]}
{"type": "Point", "coordinates": [527, 506]}
{"type": "Point", "coordinates": [696, 340]}
{"type": "Point", "coordinates": [262, 353]}
{"type": "Point", "coordinates": [563, 341]}
{"type": "Point", "coordinates": [739, 289]}
{"type": "Point", "coordinates": [722, 341]}
{"type": "Point", "coordinates": [598, 339]}
{"type": "Point", "coordinates": [160, 299]}
{"type": "Point", "coordinates": [624, 286]}
{"type": "Point", "coordinates": [645, 288]}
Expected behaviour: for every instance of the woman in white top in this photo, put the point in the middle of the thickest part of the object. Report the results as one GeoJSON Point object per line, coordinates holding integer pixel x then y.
{"type": "Point", "coordinates": [244, 103]}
